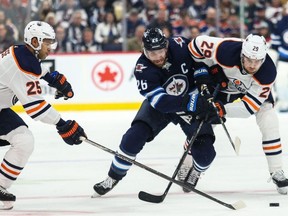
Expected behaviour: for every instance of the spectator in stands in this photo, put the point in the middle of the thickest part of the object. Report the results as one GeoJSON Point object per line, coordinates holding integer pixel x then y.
{"type": "Point", "coordinates": [10, 27]}
{"type": "Point", "coordinates": [234, 26]}
{"type": "Point", "coordinates": [227, 7]}
{"type": "Point", "coordinates": [260, 16]}
{"type": "Point", "coordinates": [45, 7]}
{"type": "Point", "coordinates": [96, 12]}
{"type": "Point", "coordinates": [187, 22]}
{"type": "Point", "coordinates": [208, 25]}
{"type": "Point", "coordinates": [5, 40]}
{"type": "Point", "coordinates": [88, 44]}
{"type": "Point", "coordinates": [108, 33]}
{"type": "Point", "coordinates": [135, 43]}
{"type": "Point", "coordinates": [63, 46]}
{"type": "Point", "coordinates": [18, 15]}
{"type": "Point", "coordinates": [262, 28]}
{"type": "Point", "coordinates": [66, 10]}
{"type": "Point", "coordinates": [161, 21]}
{"type": "Point", "coordinates": [75, 29]}
{"type": "Point", "coordinates": [150, 11]}
{"type": "Point", "coordinates": [175, 9]}
{"type": "Point", "coordinates": [167, 31]}
{"type": "Point", "coordinates": [132, 21]}
{"type": "Point", "coordinates": [51, 19]}
{"type": "Point", "coordinates": [197, 10]}
{"type": "Point", "coordinates": [195, 31]}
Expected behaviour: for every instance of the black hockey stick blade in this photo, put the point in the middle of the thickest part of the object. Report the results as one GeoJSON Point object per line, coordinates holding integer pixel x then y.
{"type": "Point", "coordinates": [159, 199]}
{"type": "Point", "coordinates": [147, 197]}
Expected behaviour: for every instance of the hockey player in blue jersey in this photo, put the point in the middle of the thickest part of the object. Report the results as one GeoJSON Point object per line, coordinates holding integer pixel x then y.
{"type": "Point", "coordinates": [165, 77]}
{"type": "Point", "coordinates": [280, 44]}
{"type": "Point", "coordinates": [247, 73]}
{"type": "Point", "coordinates": [20, 71]}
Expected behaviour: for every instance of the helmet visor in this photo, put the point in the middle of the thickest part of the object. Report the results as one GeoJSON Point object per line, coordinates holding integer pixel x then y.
{"type": "Point", "coordinates": [51, 43]}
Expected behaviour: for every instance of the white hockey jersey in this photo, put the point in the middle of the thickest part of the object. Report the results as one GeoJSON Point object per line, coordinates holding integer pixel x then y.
{"type": "Point", "coordinates": [20, 72]}
{"type": "Point", "coordinates": [254, 89]}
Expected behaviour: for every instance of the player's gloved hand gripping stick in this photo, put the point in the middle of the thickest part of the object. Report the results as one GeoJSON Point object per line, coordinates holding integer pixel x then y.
{"type": "Point", "coordinates": [220, 110]}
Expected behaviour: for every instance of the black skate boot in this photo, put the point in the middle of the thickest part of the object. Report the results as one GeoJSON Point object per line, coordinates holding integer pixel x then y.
{"type": "Point", "coordinates": [281, 181]}
{"type": "Point", "coordinates": [105, 186]}
{"type": "Point", "coordinates": [192, 179]}
{"type": "Point", "coordinates": [7, 198]}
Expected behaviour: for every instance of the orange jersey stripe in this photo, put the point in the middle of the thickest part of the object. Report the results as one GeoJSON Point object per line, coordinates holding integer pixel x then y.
{"type": "Point", "coordinates": [36, 108]}
{"type": "Point", "coordinates": [196, 54]}
{"type": "Point", "coordinates": [272, 147]}
{"type": "Point", "coordinates": [247, 100]}
{"type": "Point", "coordinates": [9, 170]}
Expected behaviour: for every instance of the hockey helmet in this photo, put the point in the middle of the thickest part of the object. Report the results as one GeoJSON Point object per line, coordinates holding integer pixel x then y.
{"type": "Point", "coordinates": [154, 39]}
{"type": "Point", "coordinates": [40, 30]}
{"type": "Point", "coordinates": [254, 47]}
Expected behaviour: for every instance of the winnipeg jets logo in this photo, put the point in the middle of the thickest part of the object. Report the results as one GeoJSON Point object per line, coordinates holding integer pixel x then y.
{"type": "Point", "coordinates": [176, 85]}
{"type": "Point", "coordinates": [179, 41]}
{"type": "Point", "coordinates": [140, 67]}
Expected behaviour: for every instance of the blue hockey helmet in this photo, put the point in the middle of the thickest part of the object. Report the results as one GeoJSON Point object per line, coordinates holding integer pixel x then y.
{"type": "Point", "coordinates": [154, 39]}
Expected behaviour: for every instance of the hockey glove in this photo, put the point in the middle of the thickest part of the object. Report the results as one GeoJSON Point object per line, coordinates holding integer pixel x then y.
{"type": "Point", "coordinates": [71, 132]}
{"type": "Point", "coordinates": [217, 113]}
{"type": "Point", "coordinates": [63, 87]}
{"type": "Point", "coordinates": [199, 105]}
{"type": "Point", "coordinates": [219, 76]}
{"type": "Point", "coordinates": [202, 77]}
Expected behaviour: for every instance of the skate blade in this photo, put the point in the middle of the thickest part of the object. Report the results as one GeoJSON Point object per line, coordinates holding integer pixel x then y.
{"type": "Point", "coordinates": [95, 195]}
{"type": "Point", "coordinates": [7, 205]}
{"type": "Point", "coordinates": [282, 191]}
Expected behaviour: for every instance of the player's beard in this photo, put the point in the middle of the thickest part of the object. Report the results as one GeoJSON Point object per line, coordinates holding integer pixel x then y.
{"type": "Point", "coordinates": [159, 62]}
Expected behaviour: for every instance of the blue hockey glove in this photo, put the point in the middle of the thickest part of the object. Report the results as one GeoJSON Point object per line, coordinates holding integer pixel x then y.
{"type": "Point", "coordinates": [202, 77]}
{"type": "Point", "coordinates": [71, 132]}
{"type": "Point", "coordinates": [63, 87]}
{"type": "Point", "coordinates": [199, 105]}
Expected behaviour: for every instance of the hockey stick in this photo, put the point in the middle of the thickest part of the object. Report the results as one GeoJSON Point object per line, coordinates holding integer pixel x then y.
{"type": "Point", "coordinates": [237, 142]}
{"type": "Point", "coordinates": [160, 198]}
{"type": "Point", "coordinates": [235, 206]}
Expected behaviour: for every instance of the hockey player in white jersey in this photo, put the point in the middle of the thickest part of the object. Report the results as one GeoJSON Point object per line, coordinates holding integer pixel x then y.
{"type": "Point", "coordinates": [20, 71]}
{"type": "Point", "coordinates": [248, 74]}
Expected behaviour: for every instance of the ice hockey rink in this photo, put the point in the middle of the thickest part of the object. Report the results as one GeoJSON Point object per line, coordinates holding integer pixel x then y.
{"type": "Point", "coordinates": [58, 179]}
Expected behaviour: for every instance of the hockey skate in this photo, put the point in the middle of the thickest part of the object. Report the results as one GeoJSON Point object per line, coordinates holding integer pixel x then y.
{"type": "Point", "coordinates": [7, 199]}
{"type": "Point", "coordinates": [192, 179]}
{"type": "Point", "coordinates": [104, 187]}
{"type": "Point", "coordinates": [281, 181]}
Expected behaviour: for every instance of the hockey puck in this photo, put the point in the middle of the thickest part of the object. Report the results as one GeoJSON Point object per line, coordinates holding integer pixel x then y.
{"type": "Point", "coordinates": [274, 204]}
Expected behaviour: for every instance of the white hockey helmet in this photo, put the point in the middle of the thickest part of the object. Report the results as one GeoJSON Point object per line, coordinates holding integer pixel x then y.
{"type": "Point", "coordinates": [254, 47]}
{"type": "Point", "coordinates": [40, 30]}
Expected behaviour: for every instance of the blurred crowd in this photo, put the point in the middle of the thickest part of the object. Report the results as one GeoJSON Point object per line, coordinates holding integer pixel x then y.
{"type": "Point", "coordinates": [116, 25]}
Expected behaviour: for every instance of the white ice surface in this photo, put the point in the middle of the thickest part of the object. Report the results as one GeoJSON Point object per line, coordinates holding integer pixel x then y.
{"type": "Point", "coordinates": [58, 179]}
